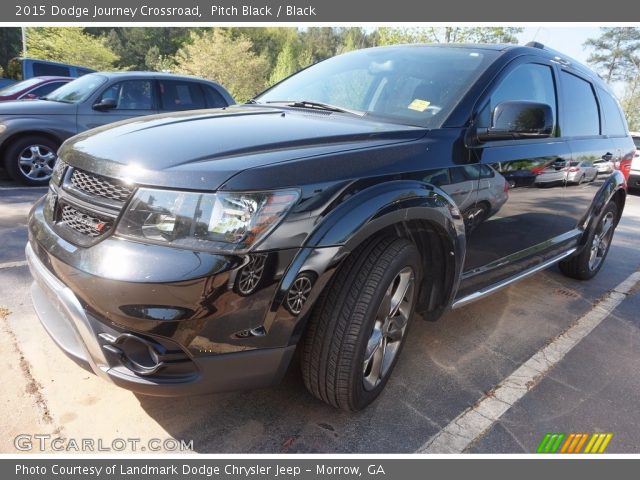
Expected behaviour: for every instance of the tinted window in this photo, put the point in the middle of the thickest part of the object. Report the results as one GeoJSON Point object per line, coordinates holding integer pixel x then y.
{"type": "Point", "coordinates": [410, 85]}
{"type": "Point", "coordinates": [581, 117]}
{"type": "Point", "coordinates": [613, 121]}
{"type": "Point", "coordinates": [46, 89]}
{"type": "Point", "coordinates": [214, 99]}
{"type": "Point", "coordinates": [180, 95]}
{"type": "Point", "coordinates": [636, 141]}
{"type": "Point", "coordinates": [528, 82]}
{"type": "Point", "coordinates": [130, 95]}
{"type": "Point", "coordinates": [45, 69]}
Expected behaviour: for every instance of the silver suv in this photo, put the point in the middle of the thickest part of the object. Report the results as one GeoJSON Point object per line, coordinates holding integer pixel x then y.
{"type": "Point", "coordinates": [31, 131]}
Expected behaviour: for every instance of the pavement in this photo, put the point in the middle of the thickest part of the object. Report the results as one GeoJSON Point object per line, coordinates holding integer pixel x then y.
{"type": "Point", "coordinates": [446, 368]}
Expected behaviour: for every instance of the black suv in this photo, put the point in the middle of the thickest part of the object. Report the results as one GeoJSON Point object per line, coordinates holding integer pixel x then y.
{"type": "Point", "coordinates": [196, 251]}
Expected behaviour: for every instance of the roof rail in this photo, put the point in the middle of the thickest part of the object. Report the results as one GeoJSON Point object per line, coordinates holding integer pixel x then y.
{"type": "Point", "coordinates": [557, 56]}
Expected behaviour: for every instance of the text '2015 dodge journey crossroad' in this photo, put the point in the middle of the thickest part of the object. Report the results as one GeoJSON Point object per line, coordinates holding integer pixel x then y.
{"type": "Point", "coordinates": [193, 252]}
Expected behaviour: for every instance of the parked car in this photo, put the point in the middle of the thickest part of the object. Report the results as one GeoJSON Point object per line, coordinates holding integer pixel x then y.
{"type": "Point", "coordinates": [32, 88]}
{"type": "Point", "coordinates": [581, 171]}
{"type": "Point", "coordinates": [552, 173]}
{"type": "Point", "coordinates": [22, 68]}
{"type": "Point", "coordinates": [634, 170]}
{"type": "Point", "coordinates": [196, 251]}
{"type": "Point", "coordinates": [604, 166]}
{"type": "Point", "coordinates": [31, 132]}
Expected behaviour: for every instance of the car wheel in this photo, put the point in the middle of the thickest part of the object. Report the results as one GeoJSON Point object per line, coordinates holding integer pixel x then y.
{"type": "Point", "coordinates": [585, 265]}
{"type": "Point", "coordinates": [357, 329]}
{"type": "Point", "coordinates": [30, 160]}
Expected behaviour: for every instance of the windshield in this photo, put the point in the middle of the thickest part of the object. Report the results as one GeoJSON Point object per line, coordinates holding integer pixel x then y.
{"type": "Point", "coordinates": [415, 85]}
{"type": "Point", "coordinates": [18, 87]}
{"type": "Point", "coordinates": [78, 90]}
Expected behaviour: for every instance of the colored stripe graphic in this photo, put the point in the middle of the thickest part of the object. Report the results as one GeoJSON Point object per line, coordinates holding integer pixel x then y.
{"type": "Point", "coordinates": [574, 442]}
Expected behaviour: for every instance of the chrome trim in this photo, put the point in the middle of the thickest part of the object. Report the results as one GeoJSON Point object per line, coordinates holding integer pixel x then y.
{"type": "Point", "coordinates": [472, 297]}
{"type": "Point", "coordinates": [63, 317]}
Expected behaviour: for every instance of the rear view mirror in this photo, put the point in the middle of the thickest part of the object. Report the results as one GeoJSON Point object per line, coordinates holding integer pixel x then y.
{"type": "Point", "coordinates": [105, 104]}
{"type": "Point", "coordinates": [513, 120]}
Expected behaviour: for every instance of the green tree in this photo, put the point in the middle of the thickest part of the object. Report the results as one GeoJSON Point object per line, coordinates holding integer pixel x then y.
{"type": "Point", "coordinates": [69, 45]}
{"type": "Point", "coordinates": [213, 54]}
{"type": "Point", "coordinates": [613, 51]}
{"type": "Point", "coordinates": [10, 44]}
{"type": "Point", "coordinates": [353, 38]}
{"type": "Point", "coordinates": [395, 35]}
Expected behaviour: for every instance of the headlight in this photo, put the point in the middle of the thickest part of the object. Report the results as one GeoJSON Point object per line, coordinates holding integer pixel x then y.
{"type": "Point", "coordinates": [58, 171]}
{"type": "Point", "coordinates": [204, 221]}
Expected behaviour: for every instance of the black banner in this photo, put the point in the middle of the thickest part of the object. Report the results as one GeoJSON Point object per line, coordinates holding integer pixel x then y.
{"type": "Point", "coordinates": [312, 11]}
{"type": "Point", "coordinates": [314, 469]}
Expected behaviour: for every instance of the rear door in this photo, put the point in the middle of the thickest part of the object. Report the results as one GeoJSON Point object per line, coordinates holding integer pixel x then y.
{"type": "Point", "coordinates": [581, 124]}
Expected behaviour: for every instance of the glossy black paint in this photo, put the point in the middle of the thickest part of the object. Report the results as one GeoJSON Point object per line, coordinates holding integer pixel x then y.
{"type": "Point", "coordinates": [479, 210]}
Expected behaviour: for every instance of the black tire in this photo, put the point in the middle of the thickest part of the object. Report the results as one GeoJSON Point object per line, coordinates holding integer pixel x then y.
{"type": "Point", "coordinates": [344, 323]}
{"type": "Point", "coordinates": [582, 266]}
{"type": "Point", "coordinates": [43, 162]}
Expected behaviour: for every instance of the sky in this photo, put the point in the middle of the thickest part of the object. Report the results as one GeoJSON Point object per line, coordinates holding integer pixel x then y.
{"type": "Point", "coordinates": [567, 40]}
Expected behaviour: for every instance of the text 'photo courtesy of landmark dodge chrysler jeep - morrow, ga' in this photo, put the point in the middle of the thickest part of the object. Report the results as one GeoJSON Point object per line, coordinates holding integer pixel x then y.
{"type": "Point", "coordinates": [194, 252]}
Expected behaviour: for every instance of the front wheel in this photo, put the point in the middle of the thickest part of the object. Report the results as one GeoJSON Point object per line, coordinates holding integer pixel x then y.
{"type": "Point", "coordinates": [357, 330]}
{"type": "Point", "coordinates": [30, 160]}
{"type": "Point", "coordinates": [585, 265]}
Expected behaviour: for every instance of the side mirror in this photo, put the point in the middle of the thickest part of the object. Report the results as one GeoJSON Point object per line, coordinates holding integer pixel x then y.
{"type": "Point", "coordinates": [514, 120]}
{"type": "Point", "coordinates": [105, 104]}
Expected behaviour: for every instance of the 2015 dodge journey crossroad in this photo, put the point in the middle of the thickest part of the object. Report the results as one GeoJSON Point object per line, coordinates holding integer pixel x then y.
{"type": "Point", "coordinates": [194, 252]}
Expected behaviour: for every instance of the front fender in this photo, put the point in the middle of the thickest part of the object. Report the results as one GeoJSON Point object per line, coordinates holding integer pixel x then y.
{"type": "Point", "coordinates": [354, 221]}
{"type": "Point", "coordinates": [58, 126]}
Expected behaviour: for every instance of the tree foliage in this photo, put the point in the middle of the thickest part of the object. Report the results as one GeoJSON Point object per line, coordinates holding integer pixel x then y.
{"type": "Point", "coordinates": [215, 55]}
{"type": "Point", "coordinates": [70, 45]}
{"type": "Point", "coordinates": [10, 44]}
{"type": "Point", "coordinates": [617, 56]}
{"type": "Point", "coordinates": [396, 35]}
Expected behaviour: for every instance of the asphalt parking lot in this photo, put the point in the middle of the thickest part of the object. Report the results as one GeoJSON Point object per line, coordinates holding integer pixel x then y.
{"type": "Point", "coordinates": [447, 367]}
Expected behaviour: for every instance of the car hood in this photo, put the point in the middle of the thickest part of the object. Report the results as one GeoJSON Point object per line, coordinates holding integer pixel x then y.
{"type": "Point", "coordinates": [203, 149]}
{"type": "Point", "coordinates": [35, 107]}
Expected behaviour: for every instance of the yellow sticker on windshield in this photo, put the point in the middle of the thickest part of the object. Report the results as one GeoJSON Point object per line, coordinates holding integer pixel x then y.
{"type": "Point", "coordinates": [419, 105]}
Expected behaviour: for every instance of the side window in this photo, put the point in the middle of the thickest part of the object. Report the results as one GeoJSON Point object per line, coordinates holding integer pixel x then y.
{"type": "Point", "coordinates": [614, 123]}
{"type": "Point", "coordinates": [83, 71]}
{"type": "Point", "coordinates": [213, 97]}
{"type": "Point", "coordinates": [45, 89]}
{"type": "Point", "coordinates": [486, 172]}
{"type": "Point", "coordinates": [180, 95]}
{"type": "Point", "coordinates": [130, 95]}
{"type": "Point", "coordinates": [581, 116]}
{"type": "Point", "coordinates": [45, 69]}
{"type": "Point", "coordinates": [531, 82]}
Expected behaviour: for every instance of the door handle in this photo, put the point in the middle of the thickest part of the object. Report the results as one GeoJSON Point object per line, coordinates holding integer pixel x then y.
{"type": "Point", "coordinates": [607, 156]}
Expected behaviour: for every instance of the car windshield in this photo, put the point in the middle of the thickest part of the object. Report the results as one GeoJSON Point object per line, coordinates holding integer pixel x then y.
{"type": "Point", "coordinates": [18, 87]}
{"type": "Point", "coordinates": [414, 85]}
{"type": "Point", "coordinates": [78, 90]}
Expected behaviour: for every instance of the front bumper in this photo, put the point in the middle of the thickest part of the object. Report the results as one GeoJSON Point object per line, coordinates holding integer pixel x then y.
{"type": "Point", "coordinates": [85, 339]}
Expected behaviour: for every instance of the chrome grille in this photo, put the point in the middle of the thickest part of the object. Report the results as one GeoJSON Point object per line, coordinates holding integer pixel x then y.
{"type": "Point", "coordinates": [99, 186]}
{"type": "Point", "coordinates": [83, 223]}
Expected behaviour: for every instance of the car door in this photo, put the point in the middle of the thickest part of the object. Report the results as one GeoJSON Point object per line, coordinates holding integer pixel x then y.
{"type": "Point", "coordinates": [129, 98]}
{"type": "Point", "coordinates": [524, 224]}
{"type": "Point", "coordinates": [581, 125]}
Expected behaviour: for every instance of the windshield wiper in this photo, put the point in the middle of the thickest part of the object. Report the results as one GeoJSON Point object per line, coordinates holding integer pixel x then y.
{"type": "Point", "coordinates": [318, 105]}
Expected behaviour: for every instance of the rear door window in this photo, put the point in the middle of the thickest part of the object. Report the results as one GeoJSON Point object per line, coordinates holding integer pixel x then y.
{"type": "Point", "coordinates": [181, 95]}
{"type": "Point", "coordinates": [581, 113]}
